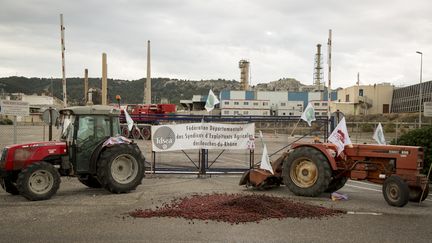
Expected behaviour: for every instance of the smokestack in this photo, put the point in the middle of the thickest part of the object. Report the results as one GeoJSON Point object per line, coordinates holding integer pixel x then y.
{"type": "Point", "coordinates": [244, 74]}
{"type": "Point", "coordinates": [85, 86]}
{"type": "Point", "coordinates": [104, 79]}
{"type": "Point", "coordinates": [147, 88]}
{"type": "Point", "coordinates": [318, 69]}
{"type": "Point", "coordinates": [62, 28]}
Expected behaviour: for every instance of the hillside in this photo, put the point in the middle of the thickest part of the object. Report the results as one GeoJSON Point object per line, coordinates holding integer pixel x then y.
{"type": "Point", "coordinates": [132, 91]}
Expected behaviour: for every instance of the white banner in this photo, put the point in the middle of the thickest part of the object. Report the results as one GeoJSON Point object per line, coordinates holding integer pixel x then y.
{"type": "Point", "coordinates": [14, 108]}
{"type": "Point", "coordinates": [203, 136]}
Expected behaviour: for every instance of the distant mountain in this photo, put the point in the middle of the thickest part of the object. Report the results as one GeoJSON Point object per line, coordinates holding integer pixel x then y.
{"type": "Point", "coordinates": [285, 84]}
{"type": "Point", "coordinates": [132, 91]}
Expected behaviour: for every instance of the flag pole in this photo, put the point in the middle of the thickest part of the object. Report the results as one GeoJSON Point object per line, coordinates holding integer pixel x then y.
{"type": "Point", "coordinates": [430, 167]}
{"type": "Point", "coordinates": [292, 132]}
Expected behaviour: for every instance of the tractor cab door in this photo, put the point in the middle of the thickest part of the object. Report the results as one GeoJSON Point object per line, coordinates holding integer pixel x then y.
{"type": "Point", "coordinates": [92, 130]}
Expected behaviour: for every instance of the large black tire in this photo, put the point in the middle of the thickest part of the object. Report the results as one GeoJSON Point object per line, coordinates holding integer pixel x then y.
{"type": "Point", "coordinates": [306, 172]}
{"type": "Point", "coordinates": [136, 133]}
{"type": "Point", "coordinates": [146, 133]}
{"type": "Point", "coordinates": [121, 168]}
{"type": "Point", "coordinates": [39, 181]}
{"type": "Point", "coordinates": [125, 131]}
{"type": "Point", "coordinates": [9, 186]}
{"type": "Point", "coordinates": [336, 184]}
{"type": "Point", "coordinates": [415, 194]}
{"type": "Point", "coordinates": [90, 181]}
{"type": "Point", "coordinates": [396, 191]}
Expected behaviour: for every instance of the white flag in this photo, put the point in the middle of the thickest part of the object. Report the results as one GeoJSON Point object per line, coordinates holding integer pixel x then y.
{"type": "Point", "coordinates": [379, 135]}
{"type": "Point", "coordinates": [265, 159]}
{"type": "Point", "coordinates": [340, 137]}
{"type": "Point", "coordinates": [129, 120]}
{"type": "Point", "coordinates": [309, 114]}
{"type": "Point", "coordinates": [212, 100]}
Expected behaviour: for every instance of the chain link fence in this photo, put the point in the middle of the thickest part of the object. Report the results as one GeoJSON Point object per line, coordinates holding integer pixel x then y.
{"type": "Point", "coordinates": [22, 133]}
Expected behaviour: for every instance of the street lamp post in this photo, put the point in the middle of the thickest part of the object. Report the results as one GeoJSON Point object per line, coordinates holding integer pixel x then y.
{"type": "Point", "coordinates": [420, 87]}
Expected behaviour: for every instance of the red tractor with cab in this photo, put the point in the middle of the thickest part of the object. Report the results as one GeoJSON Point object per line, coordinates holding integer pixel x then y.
{"type": "Point", "coordinates": [89, 149]}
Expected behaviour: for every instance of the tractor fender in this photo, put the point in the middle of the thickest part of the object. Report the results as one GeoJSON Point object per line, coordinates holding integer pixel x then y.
{"type": "Point", "coordinates": [95, 156]}
{"type": "Point", "coordinates": [322, 148]}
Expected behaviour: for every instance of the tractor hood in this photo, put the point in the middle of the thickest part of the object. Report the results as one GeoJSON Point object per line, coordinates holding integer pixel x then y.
{"type": "Point", "coordinates": [18, 156]}
{"type": "Point", "coordinates": [37, 144]}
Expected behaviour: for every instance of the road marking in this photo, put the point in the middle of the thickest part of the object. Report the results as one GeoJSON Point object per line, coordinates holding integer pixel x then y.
{"type": "Point", "coordinates": [371, 184]}
{"type": "Point", "coordinates": [371, 189]}
{"type": "Point", "coordinates": [366, 183]}
{"type": "Point", "coordinates": [364, 213]}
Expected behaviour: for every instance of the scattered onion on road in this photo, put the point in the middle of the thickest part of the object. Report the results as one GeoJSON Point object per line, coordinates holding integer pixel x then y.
{"type": "Point", "coordinates": [235, 208]}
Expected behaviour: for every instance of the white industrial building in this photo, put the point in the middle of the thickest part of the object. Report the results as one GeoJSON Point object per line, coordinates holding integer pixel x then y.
{"type": "Point", "coordinates": [242, 107]}
{"type": "Point", "coordinates": [289, 108]}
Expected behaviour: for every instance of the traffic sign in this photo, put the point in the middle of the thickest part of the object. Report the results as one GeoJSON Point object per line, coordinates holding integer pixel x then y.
{"type": "Point", "coordinates": [14, 108]}
{"type": "Point", "coordinates": [50, 115]}
{"type": "Point", "coordinates": [427, 109]}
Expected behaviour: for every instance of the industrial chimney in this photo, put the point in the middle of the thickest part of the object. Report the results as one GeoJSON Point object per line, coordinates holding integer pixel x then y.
{"type": "Point", "coordinates": [104, 79]}
{"type": "Point", "coordinates": [318, 73]}
{"type": "Point", "coordinates": [244, 74]}
{"type": "Point", "coordinates": [85, 86]}
{"type": "Point", "coordinates": [147, 87]}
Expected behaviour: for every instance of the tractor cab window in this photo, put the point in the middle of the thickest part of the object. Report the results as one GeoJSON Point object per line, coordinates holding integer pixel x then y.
{"type": "Point", "coordinates": [116, 127]}
{"type": "Point", "coordinates": [93, 128]}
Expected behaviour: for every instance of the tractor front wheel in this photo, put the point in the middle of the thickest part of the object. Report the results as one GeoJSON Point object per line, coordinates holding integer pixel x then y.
{"type": "Point", "coordinates": [396, 191]}
{"type": "Point", "coordinates": [121, 168]}
{"type": "Point", "coordinates": [415, 193]}
{"type": "Point", "coordinates": [39, 181]}
{"type": "Point", "coordinates": [306, 172]}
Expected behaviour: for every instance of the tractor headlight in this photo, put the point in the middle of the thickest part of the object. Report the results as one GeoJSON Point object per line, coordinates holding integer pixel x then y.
{"type": "Point", "coordinates": [22, 154]}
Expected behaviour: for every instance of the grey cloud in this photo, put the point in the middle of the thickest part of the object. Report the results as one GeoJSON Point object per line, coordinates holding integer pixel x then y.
{"type": "Point", "coordinates": [195, 39]}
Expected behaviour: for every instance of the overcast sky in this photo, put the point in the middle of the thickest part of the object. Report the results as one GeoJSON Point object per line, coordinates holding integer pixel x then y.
{"type": "Point", "coordinates": [205, 39]}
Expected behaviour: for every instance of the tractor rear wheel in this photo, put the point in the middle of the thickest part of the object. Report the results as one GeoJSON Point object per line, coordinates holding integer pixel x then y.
{"type": "Point", "coordinates": [396, 191]}
{"type": "Point", "coordinates": [9, 186]}
{"type": "Point", "coordinates": [306, 172]}
{"type": "Point", "coordinates": [120, 168]}
{"type": "Point", "coordinates": [336, 184]}
{"type": "Point", "coordinates": [90, 181]}
{"type": "Point", "coordinates": [415, 193]}
{"type": "Point", "coordinates": [39, 181]}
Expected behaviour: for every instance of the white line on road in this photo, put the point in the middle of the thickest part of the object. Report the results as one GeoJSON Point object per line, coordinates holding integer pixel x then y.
{"type": "Point", "coordinates": [370, 189]}
{"type": "Point", "coordinates": [364, 213]}
{"type": "Point", "coordinates": [372, 184]}
{"type": "Point", "coordinates": [376, 190]}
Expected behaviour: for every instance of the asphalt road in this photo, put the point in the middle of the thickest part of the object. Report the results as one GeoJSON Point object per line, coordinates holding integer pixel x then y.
{"type": "Point", "coordinates": [80, 214]}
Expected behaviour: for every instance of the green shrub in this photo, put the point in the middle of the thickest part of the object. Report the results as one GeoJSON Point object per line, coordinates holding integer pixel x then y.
{"type": "Point", "coordinates": [389, 127]}
{"type": "Point", "coordinates": [6, 121]}
{"type": "Point", "coordinates": [419, 137]}
{"type": "Point", "coordinates": [367, 127]}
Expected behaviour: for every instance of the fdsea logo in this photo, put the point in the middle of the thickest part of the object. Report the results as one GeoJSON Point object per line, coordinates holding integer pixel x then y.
{"type": "Point", "coordinates": [164, 138]}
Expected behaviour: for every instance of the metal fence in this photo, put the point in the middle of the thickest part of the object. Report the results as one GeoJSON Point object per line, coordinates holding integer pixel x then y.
{"type": "Point", "coordinates": [277, 136]}
{"type": "Point", "coordinates": [22, 133]}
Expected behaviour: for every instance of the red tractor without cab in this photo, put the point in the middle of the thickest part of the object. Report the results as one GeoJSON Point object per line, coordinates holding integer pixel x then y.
{"type": "Point", "coordinates": [33, 170]}
{"type": "Point", "coordinates": [312, 169]}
